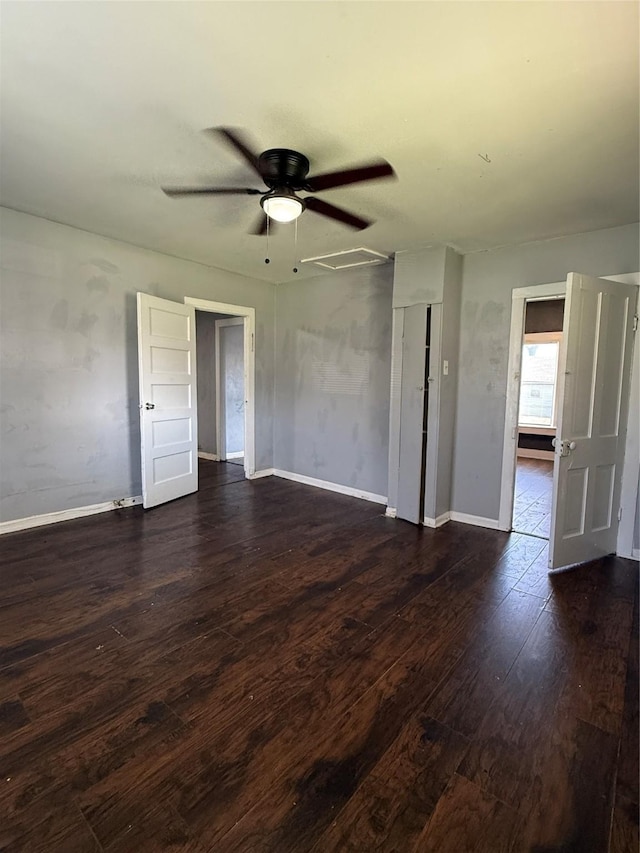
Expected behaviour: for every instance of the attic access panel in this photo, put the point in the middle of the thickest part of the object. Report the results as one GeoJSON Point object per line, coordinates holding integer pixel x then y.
{"type": "Point", "coordinates": [360, 257]}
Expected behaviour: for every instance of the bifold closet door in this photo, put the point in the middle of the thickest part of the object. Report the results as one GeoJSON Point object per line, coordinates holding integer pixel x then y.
{"type": "Point", "coordinates": [412, 413]}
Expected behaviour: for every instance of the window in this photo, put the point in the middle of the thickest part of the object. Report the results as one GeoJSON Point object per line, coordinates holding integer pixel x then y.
{"type": "Point", "coordinates": [538, 382]}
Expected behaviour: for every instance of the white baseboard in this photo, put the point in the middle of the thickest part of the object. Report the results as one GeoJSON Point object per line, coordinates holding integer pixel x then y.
{"type": "Point", "coordinates": [437, 522]}
{"type": "Point", "coordinates": [265, 472]}
{"type": "Point", "coordinates": [235, 455]}
{"type": "Point", "coordinates": [212, 457]}
{"type": "Point", "coordinates": [476, 520]}
{"type": "Point", "coordinates": [66, 514]}
{"type": "Point", "coordinates": [391, 512]}
{"type": "Point", "coordinates": [635, 554]}
{"type": "Point", "coordinates": [331, 487]}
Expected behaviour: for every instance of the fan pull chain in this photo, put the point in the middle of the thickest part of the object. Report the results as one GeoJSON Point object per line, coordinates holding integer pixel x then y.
{"type": "Point", "coordinates": [267, 260]}
{"type": "Point", "coordinates": [295, 246]}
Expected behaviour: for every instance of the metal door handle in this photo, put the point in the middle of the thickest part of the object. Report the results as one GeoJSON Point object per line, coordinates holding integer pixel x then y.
{"type": "Point", "coordinates": [565, 447]}
{"type": "Point", "coordinates": [149, 405]}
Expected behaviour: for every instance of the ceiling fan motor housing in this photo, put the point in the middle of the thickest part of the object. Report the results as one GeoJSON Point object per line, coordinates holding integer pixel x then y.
{"type": "Point", "coordinates": [282, 167]}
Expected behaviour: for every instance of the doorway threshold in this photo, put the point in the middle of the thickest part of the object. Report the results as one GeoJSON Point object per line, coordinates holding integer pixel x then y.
{"type": "Point", "coordinates": [528, 533]}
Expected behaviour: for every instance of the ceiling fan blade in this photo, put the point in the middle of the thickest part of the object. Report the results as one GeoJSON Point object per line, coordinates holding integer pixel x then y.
{"type": "Point", "coordinates": [234, 138]}
{"type": "Point", "coordinates": [179, 191]}
{"type": "Point", "coordinates": [369, 172]}
{"type": "Point", "coordinates": [333, 212]}
{"type": "Point", "coordinates": [260, 227]}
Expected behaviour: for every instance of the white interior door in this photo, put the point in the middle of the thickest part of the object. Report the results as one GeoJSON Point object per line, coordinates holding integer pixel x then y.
{"type": "Point", "coordinates": [594, 372]}
{"type": "Point", "coordinates": [168, 399]}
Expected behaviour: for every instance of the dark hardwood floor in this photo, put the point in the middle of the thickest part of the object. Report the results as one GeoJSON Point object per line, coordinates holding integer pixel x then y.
{"type": "Point", "coordinates": [264, 666]}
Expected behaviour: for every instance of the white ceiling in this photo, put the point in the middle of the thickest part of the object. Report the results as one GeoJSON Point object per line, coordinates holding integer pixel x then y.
{"type": "Point", "coordinates": [103, 102]}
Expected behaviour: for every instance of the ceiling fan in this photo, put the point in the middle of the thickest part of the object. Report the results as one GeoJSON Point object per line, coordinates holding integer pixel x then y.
{"type": "Point", "coordinates": [284, 172]}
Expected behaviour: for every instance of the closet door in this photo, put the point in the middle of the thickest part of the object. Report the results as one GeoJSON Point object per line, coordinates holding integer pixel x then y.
{"type": "Point", "coordinates": [412, 413]}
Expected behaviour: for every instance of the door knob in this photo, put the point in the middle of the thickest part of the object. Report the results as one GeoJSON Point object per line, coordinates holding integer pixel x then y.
{"type": "Point", "coordinates": [149, 405]}
{"type": "Point", "coordinates": [565, 447]}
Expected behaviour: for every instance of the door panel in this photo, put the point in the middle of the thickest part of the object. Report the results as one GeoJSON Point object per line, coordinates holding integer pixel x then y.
{"type": "Point", "coordinates": [412, 422]}
{"type": "Point", "coordinates": [167, 381]}
{"type": "Point", "coordinates": [595, 372]}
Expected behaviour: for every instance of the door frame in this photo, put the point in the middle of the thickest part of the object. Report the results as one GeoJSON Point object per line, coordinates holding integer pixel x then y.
{"type": "Point", "coordinates": [519, 297]}
{"type": "Point", "coordinates": [248, 316]}
{"type": "Point", "coordinates": [221, 439]}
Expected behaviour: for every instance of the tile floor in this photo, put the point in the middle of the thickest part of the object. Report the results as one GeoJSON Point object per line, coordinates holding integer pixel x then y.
{"type": "Point", "coordinates": [532, 499]}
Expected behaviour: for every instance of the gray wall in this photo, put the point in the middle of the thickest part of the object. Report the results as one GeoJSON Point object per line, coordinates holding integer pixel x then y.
{"type": "Point", "coordinates": [232, 370]}
{"type": "Point", "coordinates": [333, 357]}
{"type": "Point", "coordinates": [69, 385]}
{"type": "Point", "coordinates": [69, 382]}
{"type": "Point", "coordinates": [487, 281]}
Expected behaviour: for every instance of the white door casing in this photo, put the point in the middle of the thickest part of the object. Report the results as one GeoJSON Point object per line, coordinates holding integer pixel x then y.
{"type": "Point", "coordinates": [168, 399]}
{"type": "Point", "coordinates": [249, 316]}
{"type": "Point", "coordinates": [594, 374]}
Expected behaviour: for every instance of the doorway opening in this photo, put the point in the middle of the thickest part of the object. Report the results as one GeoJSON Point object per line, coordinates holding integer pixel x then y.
{"type": "Point", "coordinates": [225, 386]}
{"type": "Point", "coordinates": [220, 387]}
{"type": "Point", "coordinates": [594, 476]}
{"type": "Point", "coordinates": [168, 388]}
{"type": "Point", "coordinates": [537, 416]}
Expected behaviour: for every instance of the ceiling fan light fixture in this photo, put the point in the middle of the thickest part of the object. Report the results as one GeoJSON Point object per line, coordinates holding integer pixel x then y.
{"type": "Point", "coordinates": [283, 207]}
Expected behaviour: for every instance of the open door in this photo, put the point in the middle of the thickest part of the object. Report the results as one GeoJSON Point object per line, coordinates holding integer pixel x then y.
{"type": "Point", "coordinates": [168, 399]}
{"type": "Point", "coordinates": [595, 370]}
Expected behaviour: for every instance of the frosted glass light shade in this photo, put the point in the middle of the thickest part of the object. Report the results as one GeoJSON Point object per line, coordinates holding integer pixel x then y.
{"type": "Point", "coordinates": [282, 208]}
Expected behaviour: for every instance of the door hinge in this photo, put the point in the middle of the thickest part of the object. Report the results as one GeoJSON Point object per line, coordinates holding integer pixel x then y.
{"type": "Point", "coordinates": [620, 514]}
{"type": "Point", "coordinates": [635, 323]}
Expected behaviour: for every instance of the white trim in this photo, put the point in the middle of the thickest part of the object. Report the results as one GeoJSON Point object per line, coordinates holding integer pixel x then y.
{"type": "Point", "coordinates": [437, 522]}
{"type": "Point", "coordinates": [67, 514]}
{"type": "Point", "coordinates": [529, 453]}
{"type": "Point", "coordinates": [510, 444]}
{"type": "Point", "coordinates": [236, 455]}
{"type": "Point", "coordinates": [631, 463]}
{"type": "Point", "coordinates": [391, 512]}
{"type": "Point", "coordinates": [476, 520]}
{"type": "Point", "coordinates": [331, 487]}
{"type": "Point", "coordinates": [377, 258]}
{"type": "Point", "coordinates": [219, 307]}
{"type": "Point", "coordinates": [395, 401]}
{"type": "Point", "coordinates": [249, 315]}
{"type": "Point", "coordinates": [635, 554]}
{"type": "Point", "coordinates": [519, 298]}
{"type": "Point", "coordinates": [212, 457]}
{"type": "Point", "coordinates": [265, 472]}
{"type": "Point", "coordinates": [555, 290]}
